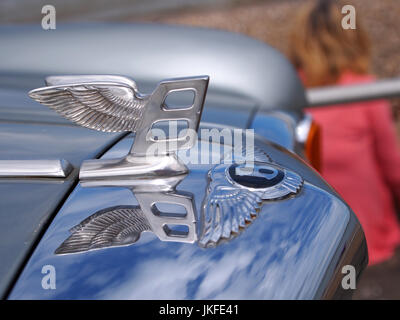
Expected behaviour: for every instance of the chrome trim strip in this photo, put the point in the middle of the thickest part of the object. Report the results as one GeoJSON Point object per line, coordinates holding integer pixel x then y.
{"type": "Point", "coordinates": [35, 168]}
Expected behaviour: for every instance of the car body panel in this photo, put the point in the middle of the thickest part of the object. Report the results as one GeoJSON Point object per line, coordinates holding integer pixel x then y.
{"type": "Point", "coordinates": [291, 251]}
{"type": "Point", "coordinates": [26, 205]}
{"type": "Point", "coordinates": [276, 126]}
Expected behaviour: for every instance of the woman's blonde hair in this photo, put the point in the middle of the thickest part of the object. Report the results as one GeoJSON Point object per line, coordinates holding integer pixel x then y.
{"type": "Point", "coordinates": [321, 49]}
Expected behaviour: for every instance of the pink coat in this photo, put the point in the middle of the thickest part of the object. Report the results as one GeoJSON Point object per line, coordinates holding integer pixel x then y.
{"type": "Point", "coordinates": [361, 160]}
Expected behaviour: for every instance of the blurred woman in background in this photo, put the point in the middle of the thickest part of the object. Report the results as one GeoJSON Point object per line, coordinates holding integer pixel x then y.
{"type": "Point", "coordinates": [360, 155]}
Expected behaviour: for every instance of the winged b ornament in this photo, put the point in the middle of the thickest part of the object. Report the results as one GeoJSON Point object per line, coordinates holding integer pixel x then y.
{"type": "Point", "coordinates": [236, 193]}
{"type": "Point", "coordinates": [113, 104]}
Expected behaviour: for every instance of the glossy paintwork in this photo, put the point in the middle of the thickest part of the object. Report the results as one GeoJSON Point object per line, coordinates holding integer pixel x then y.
{"type": "Point", "coordinates": [16, 106]}
{"type": "Point", "coordinates": [20, 141]}
{"type": "Point", "coordinates": [292, 250]}
{"type": "Point", "coordinates": [277, 127]}
{"type": "Point", "coordinates": [27, 205]}
{"type": "Point", "coordinates": [25, 208]}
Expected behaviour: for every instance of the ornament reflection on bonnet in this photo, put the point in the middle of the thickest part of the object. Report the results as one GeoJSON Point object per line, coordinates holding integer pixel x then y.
{"type": "Point", "coordinates": [234, 194]}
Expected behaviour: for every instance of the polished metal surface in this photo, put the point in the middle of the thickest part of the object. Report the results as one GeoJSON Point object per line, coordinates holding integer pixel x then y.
{"type": "Point", "coordinates": [117, 226]}
{"type": "Point", "coordinates": [158, 112]}
{"type": "Point", "coordinates": [278, 127]}
{"type": "Point", "coordinates": [153, 186]}
{"type": "Point", "coordinates": [100, 102]}
{"type": "Point", "coordinates": [293, 250]}
{"type": "Point", "coordinates": [229, 206]}
{"type": "Point", "coordinates": [235, 195]}
{"type": "Point", "coordinates": [161, 221]}
{"type": "Point", "coordinates": [387, 88]}
{"type": "Point", "coordinates": [160, 173]}
{"type": "Point", "coordinates": [122, 225]}
{"type": "Point", "coordinates": [35, 168]}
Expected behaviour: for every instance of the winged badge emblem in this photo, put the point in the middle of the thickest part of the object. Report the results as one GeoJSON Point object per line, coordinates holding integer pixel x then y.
{"type": "Point", "coordinates": [236, 192]}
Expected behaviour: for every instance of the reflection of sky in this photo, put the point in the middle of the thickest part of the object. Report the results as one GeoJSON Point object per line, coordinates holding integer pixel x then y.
{"type": "Point", "coordinates": [274, 130]}
{"type": "Point", "coordinates": [283, 254]}
{"type": "Point", "coordinates": [30, 141]}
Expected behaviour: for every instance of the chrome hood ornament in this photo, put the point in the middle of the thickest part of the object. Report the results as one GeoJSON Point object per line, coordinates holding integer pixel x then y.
{"type": "Point", "coordinates": [151, 170]}
{"type": "Point", "coordinates": [114, 104]}
{"type": "Point", "coordinates": [235, 190]}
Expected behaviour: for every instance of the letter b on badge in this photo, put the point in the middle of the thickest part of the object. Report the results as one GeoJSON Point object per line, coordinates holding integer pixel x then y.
{"type": "Point", "coordinates": [49, 280]}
